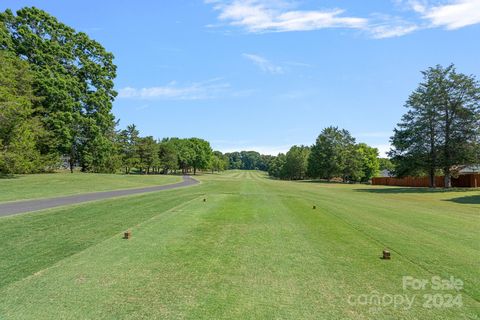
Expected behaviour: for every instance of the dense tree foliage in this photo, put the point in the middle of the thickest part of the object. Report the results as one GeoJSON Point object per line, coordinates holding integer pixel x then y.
{"type": "Point", "coordinates": [296, 163]}
{"type": "Point", "coordinates": [248, 160]}
{"type": "Point", "coordinates": [370, 162]}
{"type": "Point", "coordinates": [277, 166]}
{"type": "Point", "coordinates": [74, 76]}
{"type": "Point", "coordinates": [442, 126]}
{"type": "Point", "coordinates": [385, 164]}
{"type": "Point", "coordinates": [334, 155]}
{"type": "Point", "coordinates": [21, 132]}
{"type": "Point", "coordinates": [148, 155]}
{"type": "Point", "coordinates": [218, 162]}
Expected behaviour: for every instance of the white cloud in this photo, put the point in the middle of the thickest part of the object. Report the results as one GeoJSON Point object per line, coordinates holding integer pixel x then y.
{"type": "Point", "coordinates": [392, 28]}
{"type": "Point", "coordinates": [279, 16]}
{"type": "Point", "coordinates": [260, 16]}
{"type": "Point", "coordinates": [455, 15]}
{"type": "Point", "coordinates": [264, 64]}
{"type": "Point", "coordinates": [196, 91]}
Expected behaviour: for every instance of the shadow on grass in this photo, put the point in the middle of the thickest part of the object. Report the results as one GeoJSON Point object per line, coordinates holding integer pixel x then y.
{"type": "Point", "coordinates": [327, 182]}
{"type": "Point", "coordinates": [466, 200]}
{"type": "Point", "coordinates": [391, 190]}
{"type": "Point", "coordinates": [8, 176]}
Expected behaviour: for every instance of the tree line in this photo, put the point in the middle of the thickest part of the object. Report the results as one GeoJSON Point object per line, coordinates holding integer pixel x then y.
{"type": "Point", "coordinates": [335, 154]}
{"type": "Point", "coordinates": [147, 155]}
{"type": "Point", "coordinates": [248, 160]}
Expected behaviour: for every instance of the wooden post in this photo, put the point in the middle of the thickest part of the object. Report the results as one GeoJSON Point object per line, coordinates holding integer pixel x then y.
{"type": "Point", "coordinates": [386, 254]}
{"type": "Point", "coordinates": [127, 235]}
{"type": "Point", "coordinates": [314, 207]}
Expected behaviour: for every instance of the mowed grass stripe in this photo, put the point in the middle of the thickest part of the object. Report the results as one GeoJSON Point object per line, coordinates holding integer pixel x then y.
{"type": "Point", "coordinates": [435, 238]}
{"type": "Point", "coordinates": [32, 242]}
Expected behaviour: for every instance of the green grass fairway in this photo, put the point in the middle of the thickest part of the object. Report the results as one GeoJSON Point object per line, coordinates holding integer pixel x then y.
{"type": "Point", "coordinates": [22, 187]}
{"type": "Point", "coordinates": [254, 250]}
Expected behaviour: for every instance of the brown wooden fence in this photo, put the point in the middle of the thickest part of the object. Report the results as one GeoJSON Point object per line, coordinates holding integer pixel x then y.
{"type": "Point", "coordinates": [463, 181]}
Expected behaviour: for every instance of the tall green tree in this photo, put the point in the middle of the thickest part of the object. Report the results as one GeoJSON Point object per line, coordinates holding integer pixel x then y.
{"type": "Point", "coordinates": [218, 162]}
{"type": "Point", "coordinates": [128, 145]}
{"type": "Point", "coordinates": [202, 153]}
{"type": "Point", "coordinates": [441, 126]}
{"type": "Point", "coordinates": [370, 163]}
{"type": "Point", "coordinates": [147, 154]}
{"type": "Point", "coordinates": [296, 163]}
{"type": "Point", "coordinates": [74, 76]}
{"type": "Point", "coordinates": [459, 108]}
{"type": "Point", "coordinates": [168, 156]}
{"type": "Point", "coordinates": [277, 166]}
{"type": "Point", "coordinates": [21, 132]}
{"type": "Point", "coordinates": [329, 155]}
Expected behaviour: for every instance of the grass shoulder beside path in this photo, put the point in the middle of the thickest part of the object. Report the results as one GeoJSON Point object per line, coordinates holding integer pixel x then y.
{"type": "Point", "coordinates": [37, 186]}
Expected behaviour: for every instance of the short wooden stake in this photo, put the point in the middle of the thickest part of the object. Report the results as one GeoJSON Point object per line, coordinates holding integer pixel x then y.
{"type": "Point", "coordinates": [314, 207]}
{"type": "Point", "coordinates": [204, 200]}
{"type": "Point", "coordinates": [386, 254]}
{"type": "Point", "coordinates": [127, 235]}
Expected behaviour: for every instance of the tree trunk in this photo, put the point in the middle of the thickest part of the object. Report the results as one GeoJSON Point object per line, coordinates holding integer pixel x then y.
{"type": "Point", "coordinates": [433, 183]}
{"type": "Point", "coordinates": [447, 178]}
{"type": "Point", "coordinates": [194, 170]}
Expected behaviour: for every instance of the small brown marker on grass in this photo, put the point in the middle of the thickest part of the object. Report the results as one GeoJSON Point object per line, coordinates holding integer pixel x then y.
{"type": "Point", "coordinates": [127, 235]}
{"type": "Point", "coordinates": [386, 254]}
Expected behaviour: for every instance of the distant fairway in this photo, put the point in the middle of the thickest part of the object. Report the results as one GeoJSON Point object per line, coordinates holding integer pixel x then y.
{"type": "Point", "coordinates": [254, 250]}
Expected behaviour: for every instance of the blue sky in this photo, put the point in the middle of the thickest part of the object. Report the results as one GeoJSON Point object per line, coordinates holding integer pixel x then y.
{"type": "Point", "coordinates": [266, 74]}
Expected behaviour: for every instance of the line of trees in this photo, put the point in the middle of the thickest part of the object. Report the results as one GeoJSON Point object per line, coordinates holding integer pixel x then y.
{"type": "Point", "coordinates": [248, 160]}
{"type": "Point", "coordinates": [148, 155]}
{"type": "Point", "coordinates": [335, 154]}
{"type": "Point", "coordinates": [440, 133]}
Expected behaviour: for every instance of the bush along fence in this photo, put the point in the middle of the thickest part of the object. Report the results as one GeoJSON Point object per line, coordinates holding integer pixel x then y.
{"type": "Point", "coordinates": [463, 181]}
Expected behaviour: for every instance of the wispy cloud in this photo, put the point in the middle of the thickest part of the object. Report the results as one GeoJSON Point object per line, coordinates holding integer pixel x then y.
{"type": "Point", "coordinates": [384, 26]}
{"type": "Point", "coordinates": [455, 15]}
{"type": "Point", "coordinates": [173, 91]}
{"type": "Point", "coordinates": [279, 16]}
{"type": "Point", "coordinates": [261, 16]}
{"type": "Point", "coordinates": [264, 64]}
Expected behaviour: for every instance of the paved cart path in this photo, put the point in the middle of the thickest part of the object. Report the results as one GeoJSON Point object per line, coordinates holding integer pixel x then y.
{"type": "Point", "coordinates": [11, 208]}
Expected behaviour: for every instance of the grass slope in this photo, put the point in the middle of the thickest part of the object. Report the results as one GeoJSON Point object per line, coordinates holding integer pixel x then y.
{"type": "Point", "coordinates": [254, 250]}
{"type": "Point", "coordinates": [22, 187]}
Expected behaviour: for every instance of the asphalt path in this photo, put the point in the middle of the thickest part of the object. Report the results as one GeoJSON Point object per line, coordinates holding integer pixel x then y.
{"type": "Point", "coordinates": [12, 208]}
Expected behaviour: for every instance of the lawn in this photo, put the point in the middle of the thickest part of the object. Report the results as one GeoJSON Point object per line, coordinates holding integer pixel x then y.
{"type": "Point", "coordinates": [21, 187]}
{"type": "Point", "coordinates": [255, 249]}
